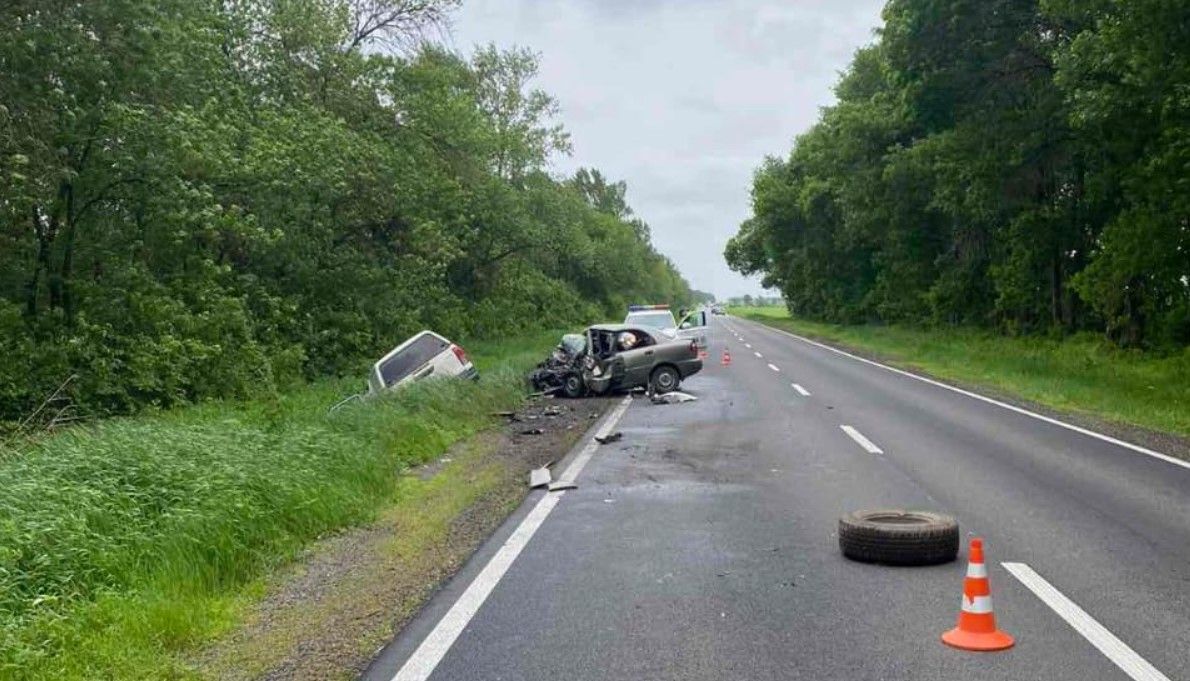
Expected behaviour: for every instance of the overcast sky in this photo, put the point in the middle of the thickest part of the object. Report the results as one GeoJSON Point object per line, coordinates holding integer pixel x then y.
{"type": "Point", "coordinates": [682, 98]}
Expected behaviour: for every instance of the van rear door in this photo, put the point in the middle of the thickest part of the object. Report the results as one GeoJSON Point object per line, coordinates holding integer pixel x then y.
{"type": "Point", "coordinates": [413, 360]}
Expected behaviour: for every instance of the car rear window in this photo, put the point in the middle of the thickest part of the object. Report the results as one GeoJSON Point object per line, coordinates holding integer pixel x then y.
{"type": "Point", "coordinates": [411, 358]}
{"type": "Point", "coordinates": [657, 320]}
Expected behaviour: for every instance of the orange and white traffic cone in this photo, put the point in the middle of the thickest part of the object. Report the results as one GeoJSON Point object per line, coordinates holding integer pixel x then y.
{"type": "Point", "coordinates": [726, 359]}
{"type": "Point", "coordinates": [977, 625]}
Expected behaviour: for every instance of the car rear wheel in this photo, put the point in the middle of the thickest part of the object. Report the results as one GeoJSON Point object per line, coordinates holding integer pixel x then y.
{"type": "Point", "coordinates": [664, 380]}
{"type": "Point", "coordinates": [573, 386]}
{"type": "Point", "coordinates": [896, 537]}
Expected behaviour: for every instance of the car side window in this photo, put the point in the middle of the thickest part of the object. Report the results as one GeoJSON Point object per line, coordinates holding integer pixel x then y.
{"type": "Point", "coordinates": [643, 338]}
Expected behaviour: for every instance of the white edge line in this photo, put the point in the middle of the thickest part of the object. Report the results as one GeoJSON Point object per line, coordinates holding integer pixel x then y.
{"type": "Point", "coordinates": [998, 403]}
{"type": "Point", "coordinates": [861, 440]}
{"type": "Point", "coordinates": [434, 647]}
{"type": "Point", "coordinates": [801, 391]}
{"type": "Point", "coordinates": [773, 367]}
{"type": "Point", "coordinates": [1124, 657]}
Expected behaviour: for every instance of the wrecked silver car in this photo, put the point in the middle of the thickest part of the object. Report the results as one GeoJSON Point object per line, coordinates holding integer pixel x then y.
{"type": "Point", "coordinates": [610, 358]}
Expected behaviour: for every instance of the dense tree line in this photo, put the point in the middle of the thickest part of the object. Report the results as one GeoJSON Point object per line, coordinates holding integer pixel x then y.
{"type": "Point", "coordinates": [1016, 164]}
{"type": "Point", "coordinates": [200, 197]}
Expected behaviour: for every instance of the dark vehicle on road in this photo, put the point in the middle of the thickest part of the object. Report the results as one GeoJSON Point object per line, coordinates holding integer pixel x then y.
{"type": "Point", "coordinates": [610, 358]}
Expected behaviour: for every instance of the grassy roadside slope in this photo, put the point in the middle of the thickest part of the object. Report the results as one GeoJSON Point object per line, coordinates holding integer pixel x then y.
{"type": "Point", "coordinates": [126, 542]}
{"type": "Point", "coordinates": [1081, 375]}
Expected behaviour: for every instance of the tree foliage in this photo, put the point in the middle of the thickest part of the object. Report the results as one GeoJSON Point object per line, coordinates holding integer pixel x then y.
{"type": "Point", "coordinates": [1017, 164]}
{"type": "Point", "coordinates": [199, 198]}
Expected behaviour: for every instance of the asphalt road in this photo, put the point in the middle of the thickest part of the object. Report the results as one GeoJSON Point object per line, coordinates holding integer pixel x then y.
{"type": "Point", "coordinates": [703, 546]}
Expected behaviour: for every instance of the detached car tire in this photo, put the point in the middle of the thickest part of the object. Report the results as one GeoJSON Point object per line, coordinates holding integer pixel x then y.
{"type": "Point", "coordinates": [896, 537]}
{"type": "Point", "coordinates": [665, 379]}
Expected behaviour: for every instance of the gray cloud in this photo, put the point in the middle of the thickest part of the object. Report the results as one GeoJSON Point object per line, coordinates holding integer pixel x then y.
{"type": "Point", "coordinates": [682, 98]}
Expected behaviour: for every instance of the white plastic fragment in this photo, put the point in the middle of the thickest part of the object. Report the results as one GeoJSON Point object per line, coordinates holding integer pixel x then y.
{"type": "Point", "coordinates": [673, 398]}
{"type": "Point", "coordinates": [539, 477]}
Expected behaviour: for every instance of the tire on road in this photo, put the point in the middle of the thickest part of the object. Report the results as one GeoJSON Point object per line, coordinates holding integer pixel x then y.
{"type": "Point", "coordinates": [665, 379]}
{"type": "Point", "coordinates": [896, 537]}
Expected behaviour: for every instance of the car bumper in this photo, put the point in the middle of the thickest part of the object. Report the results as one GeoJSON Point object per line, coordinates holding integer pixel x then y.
{"type": "Point", "coordinates": [470, 373]}
{"type": "Point", "coordinates": [689, 367]}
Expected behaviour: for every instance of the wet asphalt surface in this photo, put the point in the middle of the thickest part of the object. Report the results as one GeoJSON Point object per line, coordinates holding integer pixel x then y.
{"type": "Point", "coordinates": [702, 545]}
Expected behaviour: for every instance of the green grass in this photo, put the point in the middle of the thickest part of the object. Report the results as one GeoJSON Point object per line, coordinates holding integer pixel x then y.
{"type": "Point", "coordinates": [1081, 374]}
{"type": "Point", "coordinates": [125, 543]}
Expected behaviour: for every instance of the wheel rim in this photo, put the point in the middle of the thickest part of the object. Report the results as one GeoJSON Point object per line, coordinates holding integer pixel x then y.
{"type": "Point", "coordinates": [665, 380]}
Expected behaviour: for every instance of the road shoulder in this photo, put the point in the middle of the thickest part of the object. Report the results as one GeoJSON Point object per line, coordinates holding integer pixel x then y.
{"type": "Point", "coordinates": [327, 614]}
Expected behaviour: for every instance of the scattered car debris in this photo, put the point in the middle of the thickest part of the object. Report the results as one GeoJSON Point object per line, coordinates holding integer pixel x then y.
{"type": "Point", "coordinates": [558, 485]}
{"type": "Point", "coordinates": [539, 477]}
{"type": "Point", "coordinates": [608, 439]}
{"type": "Point", "coordinates": [672, 398]}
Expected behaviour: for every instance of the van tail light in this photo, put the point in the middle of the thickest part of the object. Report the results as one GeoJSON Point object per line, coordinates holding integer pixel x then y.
{"type": "Point", "coordinates": [460, 353]}
{"type": "Point", "coordinates": [694, 348]}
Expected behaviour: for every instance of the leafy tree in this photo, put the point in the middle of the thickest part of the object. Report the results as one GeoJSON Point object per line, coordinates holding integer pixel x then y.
{"type": "Point", "coordinates": [1004, 163]}
{"type": "Point", "coordinates": [200, 199]}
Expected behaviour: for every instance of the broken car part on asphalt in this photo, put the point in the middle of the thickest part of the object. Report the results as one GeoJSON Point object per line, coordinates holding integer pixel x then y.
{"type": "Point", "coordinates": [539, 477]}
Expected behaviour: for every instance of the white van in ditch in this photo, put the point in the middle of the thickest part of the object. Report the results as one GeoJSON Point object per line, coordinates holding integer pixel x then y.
{"type": "Point", "coordinates": [426, 355]}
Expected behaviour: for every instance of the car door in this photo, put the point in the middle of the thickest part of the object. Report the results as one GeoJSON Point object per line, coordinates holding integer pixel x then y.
{"type": "Point", "coordinates": [638, 362]}
{"type": "Point", "coordinates": [694, 327]}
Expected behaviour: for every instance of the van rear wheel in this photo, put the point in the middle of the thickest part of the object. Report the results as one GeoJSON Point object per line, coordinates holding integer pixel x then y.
{"type": "Point", "coordinates": [665, 379]}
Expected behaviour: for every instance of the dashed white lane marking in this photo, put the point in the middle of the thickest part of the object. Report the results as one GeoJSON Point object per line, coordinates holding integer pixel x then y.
{"type": "Point", "coordinates": [861, 440]}
{"type": "Point", "coordinates": [1004, 405]}
{"type": "Point", "coordinates": [800, 390]}
{"type": "Point", "coordinates": [430, 652]}
{"type": "Point", "coordinates": [774, 367]}
{"type": "Point", "coordinates": [758, 355]}
{"type": "Point", "coordinates": [748, 345]}
{"type": "Point", "coordinates": [1135, 666]}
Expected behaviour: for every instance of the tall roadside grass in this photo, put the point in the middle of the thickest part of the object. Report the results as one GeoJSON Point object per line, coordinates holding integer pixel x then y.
{"type": "Point", "coordinates": [125, 542]}
{"type": "Point", "coordinates": [1082, 374]}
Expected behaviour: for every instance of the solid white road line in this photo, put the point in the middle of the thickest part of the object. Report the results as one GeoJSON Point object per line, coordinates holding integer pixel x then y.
{"type": "Point", "coordinates": [801, 391]}
{"type": "Point", "coordinates": [1135, 666]}
{"type": "Point", "coordinates": [863, 441]}
{"type": "Point", "coordinates": [758, 355]}
{"type": "Point", "coordinates": [998, 403]}
{"type": "Point", "coordinates": [774, 367]}
{"type": "Point", "coordinates": [430, 652]}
